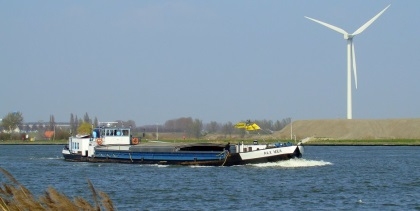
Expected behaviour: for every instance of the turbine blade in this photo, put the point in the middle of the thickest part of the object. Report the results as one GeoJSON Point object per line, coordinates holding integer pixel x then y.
{"type": "Point", "coordinates": [339, 30]}
{"type": "Point", "coordinates": [367, 24]}
{"type": "Point", "coordinates": [353, 56]}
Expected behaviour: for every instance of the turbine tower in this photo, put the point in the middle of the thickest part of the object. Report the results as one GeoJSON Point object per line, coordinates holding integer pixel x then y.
{"type": "Point", "coordinates": [351, 56]}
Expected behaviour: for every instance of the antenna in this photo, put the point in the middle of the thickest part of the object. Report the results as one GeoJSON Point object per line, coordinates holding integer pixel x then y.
{"type": "Point", "coordinates": [107, 124]}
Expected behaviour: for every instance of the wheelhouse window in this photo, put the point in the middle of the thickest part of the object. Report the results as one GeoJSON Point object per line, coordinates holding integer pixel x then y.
{"type": "Point", "coordinates": [110, 132]}
{"type": "Point", "coordinates": [125, 132]}
{"type": "Point", "coordinates": [117, 132]}
{"type": "Point", "coordinates": [75, 145]}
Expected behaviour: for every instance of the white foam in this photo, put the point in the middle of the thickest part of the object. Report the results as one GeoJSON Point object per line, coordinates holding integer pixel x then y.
{"type": "Point", "coordinates": [294, 163]}
{"type": "Point", "coordinates": [46, 158]}
{"type": "Point", "coordinates": [201, 166]}
{"type": "Point", "coordinates": [56, 158]}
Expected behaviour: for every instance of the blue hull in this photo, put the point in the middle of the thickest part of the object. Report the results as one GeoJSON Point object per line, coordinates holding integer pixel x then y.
{"type": "Point", "coordinates": [159, 157]}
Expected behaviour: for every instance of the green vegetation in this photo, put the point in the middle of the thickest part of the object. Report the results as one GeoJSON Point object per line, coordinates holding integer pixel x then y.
{"type": "Point", "coordinates": [84, 128]}
{"type": "Point", "coordinates": [14, 196]}
{"type": "Point", "coordinates": [13, 128]}
{"type": "Point", "coordinates": [11, 121]}
{"type": "Point", "coordinates": [312, 142]}
{"type": "Point", "coordinates": [174, 138]}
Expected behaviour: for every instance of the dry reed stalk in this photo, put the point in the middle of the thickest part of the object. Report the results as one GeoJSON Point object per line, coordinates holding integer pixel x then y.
{"type": "Point", "coordinates": [106, 201]}
{"type": "Point", "coordinates": [55, 200]}
{"type": "Point", "coordinates": [16, 197]}
{"type": "Point", "coordinates": [23, 199]}
{"type": "Point", "coordinates": [9, 176]}
{"type": "Point", "coordinates": [95, 195]}
{"type": "Point", "coordinates": [81, 202]}
{"type": "Point", "coordinates": [3, 204]}
{"type": "Point", "coordinates": [8, 189]}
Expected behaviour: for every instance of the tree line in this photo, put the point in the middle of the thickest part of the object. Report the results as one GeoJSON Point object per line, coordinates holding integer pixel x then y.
{"type": "Point", "coordinates": [192, 128]}
{"type": "Point", "coordinates": [196, 128]}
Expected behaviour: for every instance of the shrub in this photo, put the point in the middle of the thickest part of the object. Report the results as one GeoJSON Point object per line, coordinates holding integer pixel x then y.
{"type": "Point", "coordinates": [62, 134]}
{"type": "Point", "coordinates": [5, 136]}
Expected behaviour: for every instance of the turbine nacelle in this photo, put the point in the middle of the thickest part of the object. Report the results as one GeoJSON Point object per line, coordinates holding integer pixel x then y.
{"type": "Point", "coordinates": [348, 36]}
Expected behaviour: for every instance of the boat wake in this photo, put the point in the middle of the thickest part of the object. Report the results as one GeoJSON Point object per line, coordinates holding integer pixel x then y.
{"type": "Point", "coordinates": [46, 158]}
{"type": "Point", "coordinates": [294, 163]}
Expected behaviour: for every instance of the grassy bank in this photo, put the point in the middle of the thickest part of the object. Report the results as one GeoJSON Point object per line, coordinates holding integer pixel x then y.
{"type": "Point", "coordinates": [369, 142]}
{"type": "Point", "coordinates": [313, 142]}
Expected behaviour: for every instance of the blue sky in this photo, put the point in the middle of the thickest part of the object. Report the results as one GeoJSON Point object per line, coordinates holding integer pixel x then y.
{"type": "Point", "coordinates": [151, 61]}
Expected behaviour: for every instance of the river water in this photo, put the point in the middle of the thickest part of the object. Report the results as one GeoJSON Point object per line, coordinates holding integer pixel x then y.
{"type": "Point", "coordinates": [326, 178]}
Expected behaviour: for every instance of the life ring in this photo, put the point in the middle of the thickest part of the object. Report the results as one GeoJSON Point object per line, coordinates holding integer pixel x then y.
{"type": "Point", "coordinates": [99, 141]}
{"type": "Point", "coordinates": [135, 141]}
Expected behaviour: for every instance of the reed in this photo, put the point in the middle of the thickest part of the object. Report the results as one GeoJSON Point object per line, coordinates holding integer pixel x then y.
{"type": "Point", "coordinates": [14, 196]}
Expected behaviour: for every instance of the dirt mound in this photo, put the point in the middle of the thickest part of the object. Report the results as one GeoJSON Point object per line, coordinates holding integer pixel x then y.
{"type": "Point", "coordinates": [353, 129]}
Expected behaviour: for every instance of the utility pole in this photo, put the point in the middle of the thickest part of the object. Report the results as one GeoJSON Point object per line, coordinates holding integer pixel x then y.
{"type": "Point", "coordinates": [157, 132]}
{"type": "Point", "coordinates": [291, 129]}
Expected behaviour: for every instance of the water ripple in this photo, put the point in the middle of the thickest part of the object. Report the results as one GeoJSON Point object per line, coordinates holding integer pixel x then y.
{"type": "Point", "coordinates": [327, 178]}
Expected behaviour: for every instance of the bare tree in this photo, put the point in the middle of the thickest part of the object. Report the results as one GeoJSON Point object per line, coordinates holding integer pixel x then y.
{"type": "Point", "coordinates": [51, 123]}
{"type": "Point", "coordinates": [195, 128]}
{"type": "Point", "coordinates": [228, 128]}
{"type": "Point", "coordinates": [179, 125]}
{"type": "Point", "coordinates": [212, 127]}
{"type": "Point", "coordinates": [86, 118]}
{"type": "Point", "coordinates": [72, 123]}
{"type": "Point", "coordinates": [96, 122]}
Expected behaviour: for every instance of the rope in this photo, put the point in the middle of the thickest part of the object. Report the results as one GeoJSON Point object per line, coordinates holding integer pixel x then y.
{"type": "Point", "coordinates": [227, 155]}
{"type": "Point", "coordinates": [224, 152]}
{"type": "Point", "coordinates": [130, 157]}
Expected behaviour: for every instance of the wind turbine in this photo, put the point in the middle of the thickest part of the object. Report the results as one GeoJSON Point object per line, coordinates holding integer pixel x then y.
{"type": "Point", "coordinates": [351, 57]}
